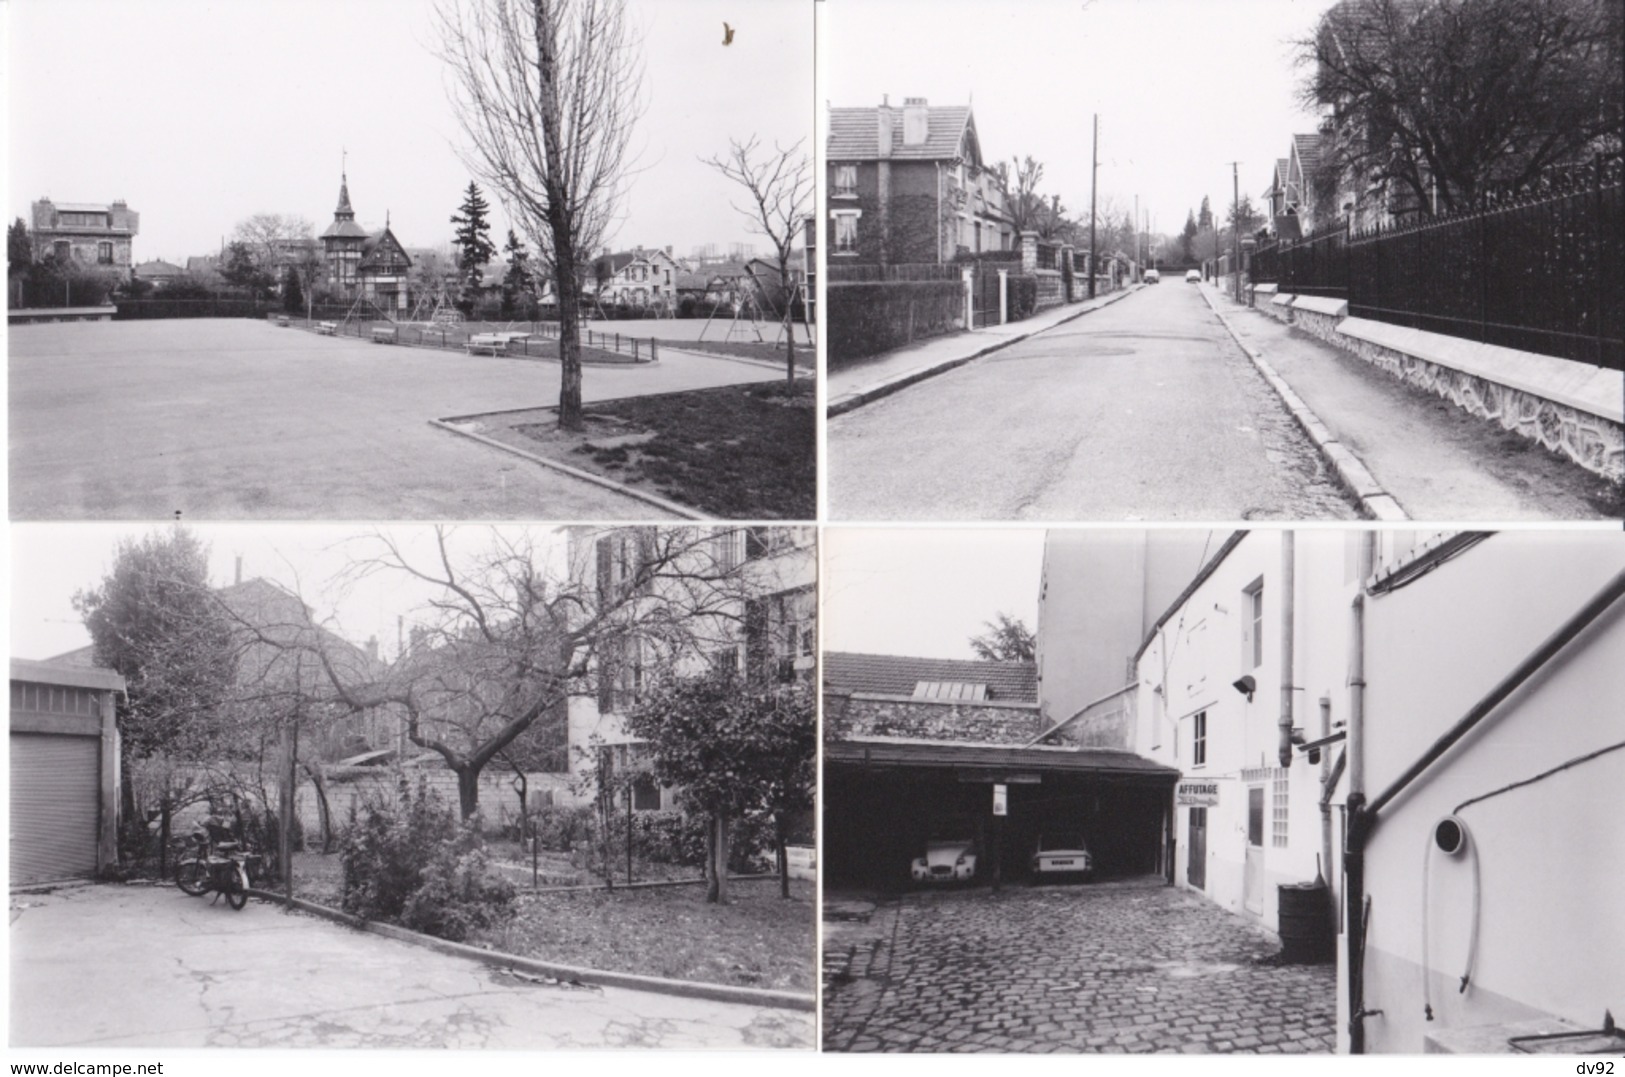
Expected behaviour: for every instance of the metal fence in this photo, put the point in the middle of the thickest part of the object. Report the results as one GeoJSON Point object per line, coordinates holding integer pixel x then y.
{"type": "Point", "coordinates": [1540, 269]}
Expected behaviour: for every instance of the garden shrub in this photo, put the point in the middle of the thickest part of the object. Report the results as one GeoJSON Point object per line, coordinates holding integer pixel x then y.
{"type": "Point", "coordinates": [460, 893]}
{"type": "Point", "coordinates": [385, 850]}
{"type": "Point", "coordinates": [1023, 297]}
{"type": "Point", "coordinates": [872, 317]}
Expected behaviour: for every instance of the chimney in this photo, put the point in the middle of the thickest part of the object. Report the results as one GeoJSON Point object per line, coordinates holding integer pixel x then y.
{"type": "Point", "coordinates": [372, 648]}
{"type": "Point", "coordinates": [668, 250]}
{"type": "Point", "coordinates": [239, 568]}
{"type": "Point", "coordinates": [916, 121]}
{"type": "Point", "coordinates": [885, 126]}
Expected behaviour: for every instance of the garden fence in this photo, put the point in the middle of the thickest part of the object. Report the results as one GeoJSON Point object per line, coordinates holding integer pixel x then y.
{"type": "Point", "coordinates": [1540, 269]}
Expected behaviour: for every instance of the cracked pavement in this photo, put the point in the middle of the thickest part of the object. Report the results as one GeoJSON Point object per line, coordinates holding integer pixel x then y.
{"type": "Point", "coordinates": [1135, 967]}
{"type": "Point", "coordinates": [148, 966]}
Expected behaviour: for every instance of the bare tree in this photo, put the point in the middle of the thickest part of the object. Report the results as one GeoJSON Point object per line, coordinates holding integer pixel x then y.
{"type": "Point", "coordinates": [780, 187]}
{"type": "Point", "coordinates": [513, 632]}
{"type": "Point", "coordinates": [1446, 98]}
{"type": "Point", "coordinates": [278, 242]}
{"type": "Point", "coordinates": [1019, 181]}
{"type": "Point", "coordinates": [548, 93]}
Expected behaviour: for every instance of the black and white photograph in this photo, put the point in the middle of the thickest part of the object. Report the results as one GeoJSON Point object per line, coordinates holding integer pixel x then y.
{"type": "Point", "coordinates": [1265, 260]}
{"type": "Point", "coordinates": [506, 787]}
{"type": "Point", "coordinates": [1214, 791]}
{"type": "Point", "coordinates": [414, 259]}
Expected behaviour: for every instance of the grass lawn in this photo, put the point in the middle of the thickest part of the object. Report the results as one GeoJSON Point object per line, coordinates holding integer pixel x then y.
{"type": "Point", "coordinates": [740, 451]}
{"type": "Point", "coordinates": [747, 349]}
{"type": "Point", "coordinates": [758, 940]}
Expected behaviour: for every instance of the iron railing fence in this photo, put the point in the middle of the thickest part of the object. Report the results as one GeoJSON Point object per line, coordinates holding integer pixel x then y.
{"type": "Point", "coordinates": [1540, 269]}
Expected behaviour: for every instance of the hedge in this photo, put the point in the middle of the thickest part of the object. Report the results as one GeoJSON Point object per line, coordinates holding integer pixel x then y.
{"type": "Point", "coordinates": [1023, 297]}
{"type": "Point", "coordinates": [870, 318]}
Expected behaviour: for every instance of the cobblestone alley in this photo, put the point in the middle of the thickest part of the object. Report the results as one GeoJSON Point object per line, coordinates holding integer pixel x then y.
{"type": "Point", "coordinates": [1123, 967]}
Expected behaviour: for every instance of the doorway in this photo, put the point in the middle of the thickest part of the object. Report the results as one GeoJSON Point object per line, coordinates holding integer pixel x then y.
{"type": "Point", "coordinates": [1252, 886]}
{"type": "Point", "coordinates": [1196, 866]}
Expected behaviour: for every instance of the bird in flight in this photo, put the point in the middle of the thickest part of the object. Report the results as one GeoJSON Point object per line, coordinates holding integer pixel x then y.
{"type": "Point", "coordinates": [727, 34]}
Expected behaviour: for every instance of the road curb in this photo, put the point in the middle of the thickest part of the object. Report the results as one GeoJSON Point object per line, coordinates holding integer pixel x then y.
{"type": "Point", "coordinates": [680, 511]}
{"type": "Point", "coordinates": [857, 399]}
{"type": "Point", "coordinates": [747, 996]}
{"type": "Point", "coordinates": [1375, 502]}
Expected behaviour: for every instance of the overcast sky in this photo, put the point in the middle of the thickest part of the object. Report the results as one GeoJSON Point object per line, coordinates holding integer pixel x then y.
{"type": "Point", "coordinates": [201, 113]}
{"type": "Point", "coordinates": [1183, 87]}
{"type": "Point", "coordinates": [924, 592]}
{"type": "Point", "coordinates": [50, 562]}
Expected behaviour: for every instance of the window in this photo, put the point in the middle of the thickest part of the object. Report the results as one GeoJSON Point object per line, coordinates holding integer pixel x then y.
{"type": "Point", "coordinates": [1254, 605]}
{"type": "Point", "coordinates": [1255, 815]}
{"type": "Point", "coordinates": [846, 181]}
{"type": "Point", "coordinates": [1279, 801]}
{"type": "Point", "coordinates": [1199, 739]}
{"type": "Point", "coordinates": [104, 254]}
{"type": "Point", "coordinates": [645, 794]}
{"type": "Point", "coordinates": [846, 232]}
{"type": "Point", "coordinates": [950, 690]}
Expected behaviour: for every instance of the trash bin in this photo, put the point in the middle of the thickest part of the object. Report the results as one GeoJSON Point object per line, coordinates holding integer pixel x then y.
{"type": "Point", "coordinates": [1304, 915]}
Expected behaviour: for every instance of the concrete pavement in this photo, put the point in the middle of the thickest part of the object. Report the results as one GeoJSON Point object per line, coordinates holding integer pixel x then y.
{"type": "Point", "coordinates": [106, 966]}
{"type": "Point", "coordinates": [233, 418]}
{"type": "Point", "coordinates": [1145, 410]}
{"type": "Point", "coordinates": [1134, 967]}
{"type": "Point", "coordinates": [1426, 457]}
{"type": "Point", "coordinates": [866, 380]}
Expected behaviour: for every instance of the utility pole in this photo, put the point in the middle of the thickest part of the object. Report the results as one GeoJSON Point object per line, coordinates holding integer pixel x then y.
{"type": "Point", "coordinates": [1138, 267]}
{"type": "Point", "coordinates": [1094, 177]}
{"type": "Point", "coordinates": [1235, 226]}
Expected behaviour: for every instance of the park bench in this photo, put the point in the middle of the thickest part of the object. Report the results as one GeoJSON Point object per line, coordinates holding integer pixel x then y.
{"type": "Point", "coordinates": [383, 334]}
{"type": "Point", "coordinates": [327, 329]}
{"type": "Point", "coordinates": [492, 343]}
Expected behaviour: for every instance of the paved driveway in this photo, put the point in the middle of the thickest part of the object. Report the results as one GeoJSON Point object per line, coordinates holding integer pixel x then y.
{"type": "Point", "coordinates": [106, 966]}
{"type": "Point", "coordinates": [1115, 967]}
{"type": "Point", "coordinates": [233, 418]}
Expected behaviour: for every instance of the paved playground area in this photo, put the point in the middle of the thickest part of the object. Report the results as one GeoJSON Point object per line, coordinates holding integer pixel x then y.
{"type": "Point", "coordinates": [234, 418]}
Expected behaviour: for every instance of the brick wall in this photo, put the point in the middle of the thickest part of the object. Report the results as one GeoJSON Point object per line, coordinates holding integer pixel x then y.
{"type": "Point", "coordinates": [850, 717]}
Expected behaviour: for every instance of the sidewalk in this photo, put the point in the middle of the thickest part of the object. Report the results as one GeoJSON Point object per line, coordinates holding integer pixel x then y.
{"type": "Point", "coordinates": [1405, 453]}
{"type": "Point", "coordinates": [870, 379]}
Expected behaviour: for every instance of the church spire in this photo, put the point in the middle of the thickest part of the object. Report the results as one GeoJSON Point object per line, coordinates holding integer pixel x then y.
{"type": "Point", "coordinates": [344, 212]}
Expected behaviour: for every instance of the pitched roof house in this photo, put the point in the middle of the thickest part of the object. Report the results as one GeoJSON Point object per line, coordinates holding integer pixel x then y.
{"type": "Point", "coordinates": [910, 185]}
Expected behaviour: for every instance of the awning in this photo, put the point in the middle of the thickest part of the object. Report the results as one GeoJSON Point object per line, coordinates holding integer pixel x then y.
{"type": "Point", "coordinates": [971, 760]}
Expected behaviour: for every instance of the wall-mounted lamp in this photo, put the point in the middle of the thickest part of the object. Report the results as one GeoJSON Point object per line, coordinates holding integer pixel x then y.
{"type": "Point", "coordinates": [1246, 686]}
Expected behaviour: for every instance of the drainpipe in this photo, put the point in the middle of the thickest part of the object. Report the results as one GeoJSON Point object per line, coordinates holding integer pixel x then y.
{"type": "Point", "coordinates": [1355, 822]}
{"type": "Point", "coordinates": [1325, 789]}
{"type": "Point", "coordinates": [1289, 607]}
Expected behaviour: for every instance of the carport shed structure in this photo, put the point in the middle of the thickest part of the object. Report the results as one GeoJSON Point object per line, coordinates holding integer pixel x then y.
{"type": "Point", "coordinates": [64, 771]}
{"type": "Point", "coordinates": [914, 749]}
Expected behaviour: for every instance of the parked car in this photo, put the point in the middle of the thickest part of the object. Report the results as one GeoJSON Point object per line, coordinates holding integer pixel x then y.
{"type": "Point", "coordinates": [1062, 852]}
{"type": "Point", "coordinates": [1152, 276]}
{"type": "Point", "coordinates": [1193, 276]}
{"type": "Point", "coordinates": [946, 860]}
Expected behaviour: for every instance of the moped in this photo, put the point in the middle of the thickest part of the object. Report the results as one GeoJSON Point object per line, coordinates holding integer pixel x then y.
{"type": "Point", "coordinates": [217, 861]}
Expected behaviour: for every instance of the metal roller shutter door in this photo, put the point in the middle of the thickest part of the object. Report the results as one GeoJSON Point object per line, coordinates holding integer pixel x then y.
{"type": "Point", "coordinates": [55, 800]}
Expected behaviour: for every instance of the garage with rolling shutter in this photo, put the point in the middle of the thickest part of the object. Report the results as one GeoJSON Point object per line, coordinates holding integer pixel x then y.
{"type": "Point", "coordinates": [64, 771]}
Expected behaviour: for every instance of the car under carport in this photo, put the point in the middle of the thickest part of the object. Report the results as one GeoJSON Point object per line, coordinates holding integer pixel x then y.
{"type": "Point", "coordinates": [881, 799]}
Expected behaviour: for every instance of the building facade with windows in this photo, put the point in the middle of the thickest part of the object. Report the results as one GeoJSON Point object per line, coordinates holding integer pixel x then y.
{"type": "Point", "coordinates": [638, 278]}
{"type": "Point", "coordinates": [366, 265]}
{"type": "Point", "coordinates": [89, 233]}
{"type": "Point", "coordinates": [1435, 711]}
{"type": "Point", "coordinates": [748, 596]}
{"type": "Point", "coordinates": [909, 186]}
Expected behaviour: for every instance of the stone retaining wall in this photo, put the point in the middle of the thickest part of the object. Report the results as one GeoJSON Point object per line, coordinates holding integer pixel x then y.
{"type": "Point", "coordinates": [1592, 441]}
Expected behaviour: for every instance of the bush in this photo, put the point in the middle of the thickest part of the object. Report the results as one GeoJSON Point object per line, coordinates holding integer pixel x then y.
{"type": "Point", "coordinates": [385, 850]}
{"type": "Point", "coordinates": [562, 829]}
{"type": "Point", "coordinates": [459, 893]}
{"type": "Point", "coordinates": [1023, 297]}
{"type": "Point", "coordinates": [873, 317]}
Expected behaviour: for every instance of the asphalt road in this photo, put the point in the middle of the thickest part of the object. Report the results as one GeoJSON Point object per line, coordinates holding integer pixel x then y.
{"type": "Point", "coordinates": [1144, 410]}
{"type": "Point", "coordinates": [233, 419]}
{"type": "Point", "coordinates": [127, 966]}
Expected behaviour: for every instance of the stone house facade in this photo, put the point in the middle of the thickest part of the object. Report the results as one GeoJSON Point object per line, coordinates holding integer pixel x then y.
{"type": "Point", "coordinates": [89, 233]}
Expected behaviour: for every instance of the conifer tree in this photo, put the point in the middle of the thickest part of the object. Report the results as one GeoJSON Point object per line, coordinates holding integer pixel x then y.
{"type": "Point", "coordinates": [473, 237]}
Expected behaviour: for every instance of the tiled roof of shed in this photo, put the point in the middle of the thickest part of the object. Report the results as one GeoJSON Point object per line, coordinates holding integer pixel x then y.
{"type": "Point", "coordinates": [854, 134]}
{"type": "Point", "coordinates": [895, 675]}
